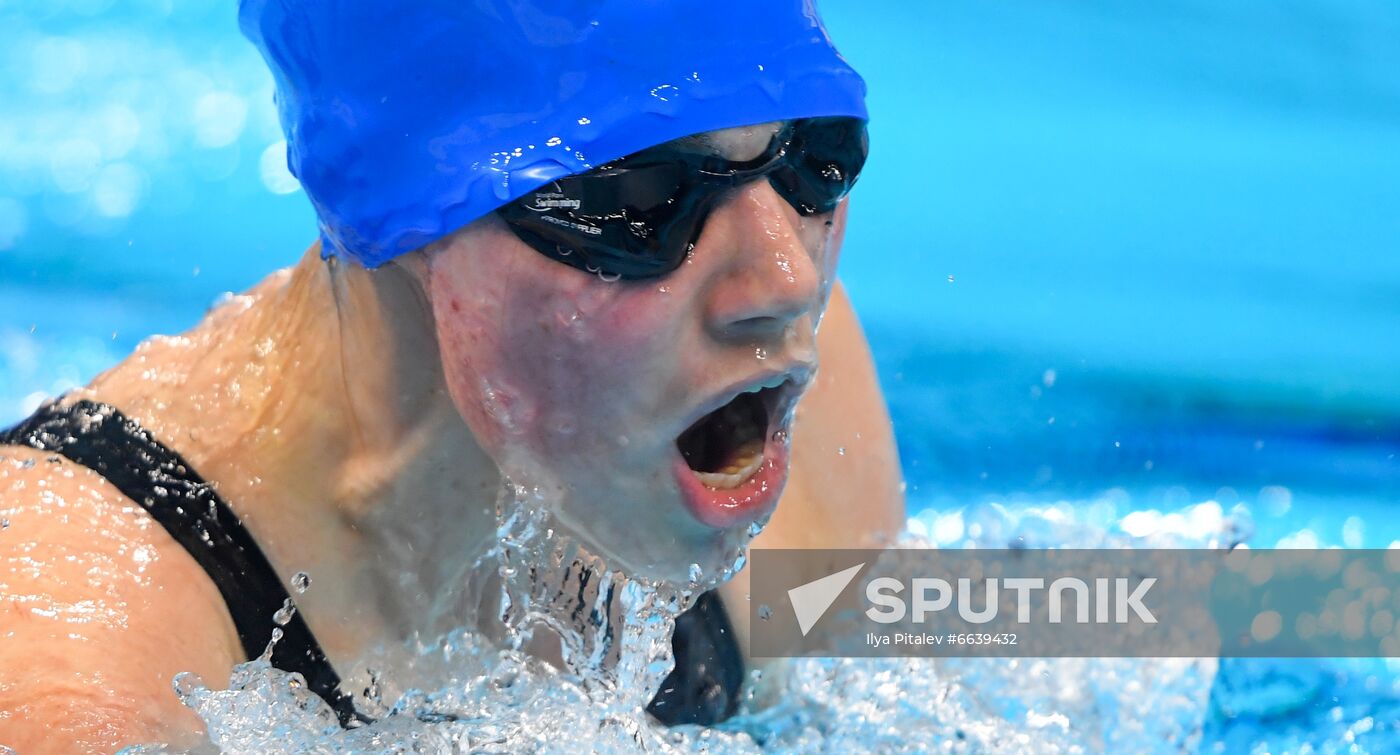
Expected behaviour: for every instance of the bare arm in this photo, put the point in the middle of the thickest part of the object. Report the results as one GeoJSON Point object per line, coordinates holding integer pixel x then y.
{"type": "Point", "coordinates": [99, 609]}
{"type": "Point", "coordinates": [845, 488]}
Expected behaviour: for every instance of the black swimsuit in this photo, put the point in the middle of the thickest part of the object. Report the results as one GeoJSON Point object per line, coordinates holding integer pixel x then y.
{"type": "Point", "coordinates": [703, 688]}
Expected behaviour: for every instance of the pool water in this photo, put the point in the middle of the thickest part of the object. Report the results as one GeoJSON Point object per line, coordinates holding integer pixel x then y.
{"type": "Point", "coordinates": [1132, 265]}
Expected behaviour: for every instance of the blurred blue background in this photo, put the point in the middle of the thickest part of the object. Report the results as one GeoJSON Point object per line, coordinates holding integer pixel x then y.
{"type": "Point", "coordinates": [1145, 251]}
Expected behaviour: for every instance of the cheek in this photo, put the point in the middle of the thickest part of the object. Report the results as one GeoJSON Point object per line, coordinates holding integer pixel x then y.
{"type": "Point", "coordinates": [600, 363]}
{"type": "Point", "coordinates": [552, 363]}
{"type": "Point", "coordinates": [471, 349]}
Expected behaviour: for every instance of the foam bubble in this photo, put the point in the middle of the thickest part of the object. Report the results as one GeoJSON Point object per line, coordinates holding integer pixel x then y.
{"type": "Point", "coordinates": [119, 130]}
{"type": "Point", "coordinates": [74, 164]}
{"type": "Point", "coordinates": [272, 168]}
{"type": "Point", "coordinates": [57, 64]}
{"type": "Point", "coordinates": [117, 191]}
{"type": "Point", "coordinates": [219, 118]}
{"type": "Point", "coordinates": [1353, 532]}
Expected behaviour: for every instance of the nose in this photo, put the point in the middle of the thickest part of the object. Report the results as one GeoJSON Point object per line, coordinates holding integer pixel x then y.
{"type": "Point", "coordinates": [766, 278]}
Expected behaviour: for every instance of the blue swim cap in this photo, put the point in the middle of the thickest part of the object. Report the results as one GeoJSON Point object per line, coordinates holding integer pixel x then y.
{"type": "Point", "coordinates": [408, 119]}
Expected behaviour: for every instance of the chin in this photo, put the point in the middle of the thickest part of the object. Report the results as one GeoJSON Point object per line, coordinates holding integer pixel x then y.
{"type": "Point", "coordinates": [698, 566]}
{"type": "Point", "coordinates": [669, 549]}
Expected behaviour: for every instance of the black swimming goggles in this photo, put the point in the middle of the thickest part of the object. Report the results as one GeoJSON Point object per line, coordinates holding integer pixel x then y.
{"type": "Point", "coordinates": [640, 216]}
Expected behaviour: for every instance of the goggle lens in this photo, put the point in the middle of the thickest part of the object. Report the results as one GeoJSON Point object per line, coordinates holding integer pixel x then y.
{"type": "Point", "coordinates": [640, 216]}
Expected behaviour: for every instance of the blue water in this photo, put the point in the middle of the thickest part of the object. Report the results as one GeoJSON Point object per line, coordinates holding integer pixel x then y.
{"type": "Point", "coordinates": [1147, 250]}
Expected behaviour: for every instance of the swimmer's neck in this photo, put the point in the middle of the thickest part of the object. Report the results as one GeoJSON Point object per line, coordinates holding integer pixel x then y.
{"type": "Point", "coordinates": [317, 405]}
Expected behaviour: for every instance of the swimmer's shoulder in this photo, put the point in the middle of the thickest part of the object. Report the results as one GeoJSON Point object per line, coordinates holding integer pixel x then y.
{"type": "Point", "coordinates": [99, 609]}
{"type": "Point", "coordinates": [845, 489]}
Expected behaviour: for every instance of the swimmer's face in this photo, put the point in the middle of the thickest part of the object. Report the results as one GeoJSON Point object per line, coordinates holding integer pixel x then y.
{"type": "Point", "coordinates": [656, 410]}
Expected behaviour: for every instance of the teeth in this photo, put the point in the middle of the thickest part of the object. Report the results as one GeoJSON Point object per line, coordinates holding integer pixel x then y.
{"type": "Point", "coordinates": [773, 382]}
{"type": "Point", "coordinates": [747, 461]}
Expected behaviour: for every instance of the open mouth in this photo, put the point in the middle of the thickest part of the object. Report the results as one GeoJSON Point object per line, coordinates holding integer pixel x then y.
{"type": "Point", "coordinates": [725, 447]}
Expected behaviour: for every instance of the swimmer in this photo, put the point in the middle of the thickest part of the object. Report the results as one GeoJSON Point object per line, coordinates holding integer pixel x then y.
{"type": "Point", "coordinates": [579, 255]}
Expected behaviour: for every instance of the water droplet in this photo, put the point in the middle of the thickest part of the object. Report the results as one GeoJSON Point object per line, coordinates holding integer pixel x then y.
{"type": "Point", "coordinates": [374, 691]}
{"type": "Point", "coordinates": [664, 289]}
{"type": "Point", "coordinates": [765, 612]}
{"type": "Point", "coordinates": [584, 121]}
{"type": "Point", "coordinates": [841, 451]}
{"type": "Point", "coordinates": [832, 172]}
{"type": "Point", "coordinates": [300, 581]}
{"type": "Point", "coordinates": [760, 353]}
{"type": "Point", "coordinates": [501, 186]}
{"type": "Point", "coordinates": [755, 529]}
{"type": "Point", "coordinates": [26, 464]}
{"type": "Point", "coordinates": [186, 685]}
{"type": "Point", "coordinates": [950, 279]}
{"type": "Point", "coordinates": [781, 436]}
{"type": "Point", "coordinates": [695, 574]}
{"type": "Point", "coordinates": [272, 643]}
{"type": "Point", "coordinates": [283, 616]}
{"type": "Point", "coordinates": [4, 524]}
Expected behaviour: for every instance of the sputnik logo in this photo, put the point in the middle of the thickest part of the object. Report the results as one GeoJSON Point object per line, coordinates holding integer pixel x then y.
{"type": "Point", "coordinates": [811, 601]}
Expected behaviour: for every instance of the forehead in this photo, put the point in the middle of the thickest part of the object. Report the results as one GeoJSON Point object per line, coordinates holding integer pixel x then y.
{"type": "Point", "coordinates": [737, 144]}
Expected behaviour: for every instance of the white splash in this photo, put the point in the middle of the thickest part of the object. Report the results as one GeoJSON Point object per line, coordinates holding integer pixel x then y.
{"type": "Point", "coordinates": [614, 635]}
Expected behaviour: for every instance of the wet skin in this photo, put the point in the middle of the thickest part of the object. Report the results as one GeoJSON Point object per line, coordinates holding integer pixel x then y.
{"type": "Point", "coordinates": [328, 406]}
{"type": "Point", "coordinates": [584, 386]}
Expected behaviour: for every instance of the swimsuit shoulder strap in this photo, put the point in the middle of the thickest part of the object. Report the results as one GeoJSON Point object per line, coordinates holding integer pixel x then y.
{"type": "Point", "coordinates": [99, 437]}
{"type": "Point", "coordinates": [705, 685]}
